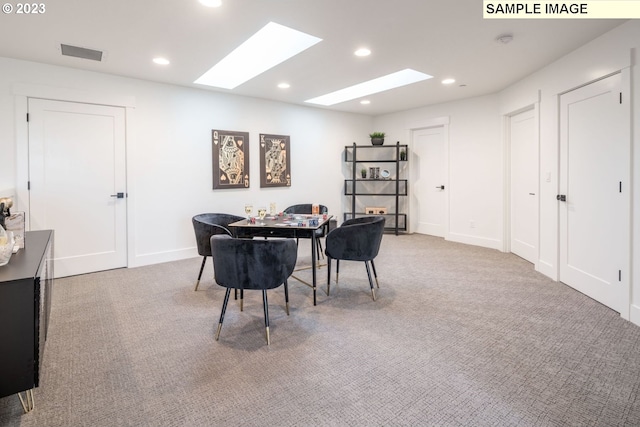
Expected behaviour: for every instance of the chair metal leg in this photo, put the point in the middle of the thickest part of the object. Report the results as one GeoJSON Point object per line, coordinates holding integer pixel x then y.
{"type": "Point", "coordinates": [286, 296]}
{"type": "Point", "coordinates": [27, 403]}
{"type": "Point", "coordinates": [265, 304]}
{"type": "Point", "coordinates": [375, 275]}
{"type": "Point", "coordinates": [241, 299]}
{"type": "Point", "coordinates": [224, 309]}
{"type": "Point", "coordinates": [373, 291]}
{"type": "Point", "coordinates": [337, 270]}
{"type": "Point", "coordinates": [328, 274]}
{"type": "Point", "coordinates": [204, 259]}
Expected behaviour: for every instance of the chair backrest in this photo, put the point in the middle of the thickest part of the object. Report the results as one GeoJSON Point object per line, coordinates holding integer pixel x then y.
{"type": "Point", "coordinates": [357, 239]}
{"type": "Point", "coordinates": [252, 263]}
{"type": "Point", "coordinates": [305, 208]}
{"type": "Point", "coordinates": [208, 224]}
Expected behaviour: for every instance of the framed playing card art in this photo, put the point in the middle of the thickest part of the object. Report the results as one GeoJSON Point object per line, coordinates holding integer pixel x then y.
{"type": "Point", "coordinates": [275, 161]}
{"type": "Point", "coordinates": [230, 159]}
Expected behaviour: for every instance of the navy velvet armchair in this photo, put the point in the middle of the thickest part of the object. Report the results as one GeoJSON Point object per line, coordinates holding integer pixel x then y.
{"type": "Point", "coordinates": [252, 264]}
{"type": "Point", "coordinates": [206, 225]}
{"type": "Point", "coordinates": [356, 239]}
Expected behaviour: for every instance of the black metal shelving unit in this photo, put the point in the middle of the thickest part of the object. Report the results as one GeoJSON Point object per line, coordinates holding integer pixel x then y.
{"type": "Point", "coordinates": [393, 187]}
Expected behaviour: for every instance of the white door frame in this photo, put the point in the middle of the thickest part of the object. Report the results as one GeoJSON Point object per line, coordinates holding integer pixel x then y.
{"type": "Point", "coordinates": [422, 124]}
{"type": "Point", "coordinates": [506, 131]}
{"type": "Point", "coordinates": [21, 94]}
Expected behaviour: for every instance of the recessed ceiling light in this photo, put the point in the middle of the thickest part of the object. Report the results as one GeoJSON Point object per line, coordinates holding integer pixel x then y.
{"type": "Point", "coordinates": [390, 81]}
{"type": "Point", "coordinates": [284, 85]}
{"type": "Point", "coordinates": [211, 3]}
{"type": "Point", "coordinates": [270, 46]}
{"type": "Point", "coordinates": [365, 102]}
{"type": "Point", "coordinates": [448, 81]}
{"type": "Point", "coordinates": [362, 52]}
{"type": "Point", "coordinates": [161, 61]}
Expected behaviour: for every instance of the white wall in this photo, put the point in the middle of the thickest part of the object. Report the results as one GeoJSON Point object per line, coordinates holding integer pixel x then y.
{"type": "Point", "coordinates": [476, 144]}
{"type": "Point", "coordinates": [475, 163]}
{"type": "Point", "coordinates": [169, 151]}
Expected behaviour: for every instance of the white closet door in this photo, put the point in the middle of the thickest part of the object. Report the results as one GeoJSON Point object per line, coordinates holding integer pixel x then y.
{"type": "Point", "coordinates": [594, 180]}
{"type": "Point", "coordinates": [430, 184]}
{"type": "Point", "coordinates": [524, 185]}
{"type": "Point", "coordinates": [76, 170]}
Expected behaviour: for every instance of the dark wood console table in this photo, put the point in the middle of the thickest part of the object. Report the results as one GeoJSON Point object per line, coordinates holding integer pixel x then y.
{"type": "Point", "coordinates": [25, 304]}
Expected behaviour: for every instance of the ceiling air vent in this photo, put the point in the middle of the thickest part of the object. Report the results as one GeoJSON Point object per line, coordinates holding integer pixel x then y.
{"type": "Point", "coordinates": [81, 52]}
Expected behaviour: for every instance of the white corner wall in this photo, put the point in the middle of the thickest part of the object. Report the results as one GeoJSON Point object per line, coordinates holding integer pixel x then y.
{"type": "Point", "coordinates": [476, 153]}
{"type": "Point", "coordinates": [475, 164]}
{"type": "Point", "coordinates": [169, 159]}
{"type": "Point", "coordinates": [613, 52]}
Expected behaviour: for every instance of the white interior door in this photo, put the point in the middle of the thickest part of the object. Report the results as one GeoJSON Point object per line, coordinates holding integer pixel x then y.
{"type": "Point", "coordinates": [430, 183]}
{"type": "Point", "coordinates": [524, 185]}
{"type": "Point", "coordinates": [76, 170]}
{"type": "Point", "coordinates": [595, 166]}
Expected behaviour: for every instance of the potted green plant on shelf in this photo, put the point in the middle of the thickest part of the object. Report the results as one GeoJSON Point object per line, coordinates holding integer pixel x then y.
{"type": "Point", "coordinates": [363, 172]}
{"type": "Point", "coordinates": [377, 138]}
{"type": "Point", "coordinates": [403, 155]}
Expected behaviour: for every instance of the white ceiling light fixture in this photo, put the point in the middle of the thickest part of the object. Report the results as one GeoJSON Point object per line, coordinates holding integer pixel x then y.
{"type": "Point", "coordinates": [284, 85]}
{"type": "Point", "coordinates": [362, 52]}
{"type": "Point", "coordinates": [161, 61]}
{"type": "Point", "coordinates": [448, 81]}
{"type": "Point", "coordinates": [365, 102]}
{"type": "Point", "coordinates": [390, 81]}
{"type": "Point", "coordinates": [211, 3]}
{"type": "Point", "coordinates": [270, 46]}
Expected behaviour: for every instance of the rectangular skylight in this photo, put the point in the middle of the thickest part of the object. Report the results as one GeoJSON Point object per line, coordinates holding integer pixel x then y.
{"type": "Point", "coordinates": [390, 81]}
{"type": "Point", "coordinates": [270, 46]}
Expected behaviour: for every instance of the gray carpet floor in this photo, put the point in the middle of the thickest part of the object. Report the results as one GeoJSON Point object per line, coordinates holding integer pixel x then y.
{"type": "Point", "coordinates": [459, 336]}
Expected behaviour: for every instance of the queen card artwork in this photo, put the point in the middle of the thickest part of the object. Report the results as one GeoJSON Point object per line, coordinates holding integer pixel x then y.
{"type": "Point", "coordinates": [275, 163]}
{"type": "Point", "coordinates": [230, 159]}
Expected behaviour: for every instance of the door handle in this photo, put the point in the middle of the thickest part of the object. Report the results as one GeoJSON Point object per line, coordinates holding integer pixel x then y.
{"type": "Point", "coordinates": [118, 195]}
{"type": "Point", "coordinates": [561, 197]}
{"type": "Point", "coordinates": [440, 187]}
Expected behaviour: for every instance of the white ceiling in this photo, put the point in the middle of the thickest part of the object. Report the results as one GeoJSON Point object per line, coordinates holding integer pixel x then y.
{"type": "Point", "coordinates": [443, 38]}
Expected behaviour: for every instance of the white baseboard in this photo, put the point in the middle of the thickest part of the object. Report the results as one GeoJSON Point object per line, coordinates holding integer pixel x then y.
{"type": "Point", "coordinates": [475, 240]}
{"type": "Point", "coordinates": [158, 257]}
{"type": "Point", "coordinates": [547, 269]}
{"type": "Point", "coordinates": [635, 314]}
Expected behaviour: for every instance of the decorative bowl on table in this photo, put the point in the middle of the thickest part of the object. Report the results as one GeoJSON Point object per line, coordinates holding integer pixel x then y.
{"type": "Point", "coordinates": [6, 248]}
